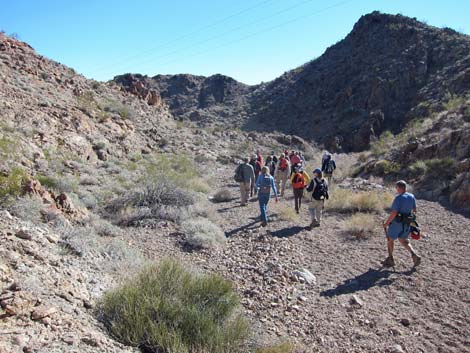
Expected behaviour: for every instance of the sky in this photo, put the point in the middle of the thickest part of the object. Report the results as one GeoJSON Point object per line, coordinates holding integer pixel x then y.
{"type": "Point", "coordinates": [252, 41]}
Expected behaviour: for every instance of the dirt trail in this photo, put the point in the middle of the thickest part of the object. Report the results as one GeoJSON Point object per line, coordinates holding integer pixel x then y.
{"type": "Point", "coordinates": [355, 305]}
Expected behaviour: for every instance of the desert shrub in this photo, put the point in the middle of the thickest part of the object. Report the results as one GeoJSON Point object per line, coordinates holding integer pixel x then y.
{"type": "Point", "coordinates": [285, 347]}
{"type": "Point", "coordinates": [105, 228]}
{"type": "Point", "coordinates": [86, 102]}
{"type": "Point", "coordinates": [116, 107]}
{"type": "Point", "coordinates": [27, 208]}
{"type": "Point", "coordinates": [454, 102]}
{"type": "Point", "coordinates": [149, 203]}
{"type": "Point", "coordinates": [88, 180]}
{"type": "Point", "coordinates": [47, 181]}
{"type": "Point", "coordinates": [12, 184]}
{"type": "Point", "coordinates": [360, 225]}
{"type": "Point", "coordinates": [201, 233]}
{"type": "Point", "coordinates": [346, 200]}
{"type": "Point", "coordinates": [441, 168]}
{"type": "Point", "coordinates": [170, 309]}
{"type": "Point", "coordinates": [287, 213]}
{"type": "Point", "coordinates": [417, 169]}
{"type": "Point", "coordinates": [88, 200]}
{"type": "Point", "coordinates": [204, 210]}
{"type": "Point", "coordinates": [222, 195]}
{"type": "Point", "coordinates": [385, 167]}
{"type": "Point", "coordinates": [381, 146]}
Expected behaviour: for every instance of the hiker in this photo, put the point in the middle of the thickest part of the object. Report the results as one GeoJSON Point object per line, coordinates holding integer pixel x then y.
{"type": "Point", "coordinates": [254, 162]}
{"type": "Point", "coordinates": [294, 160]}
{"type": "Point", "coordinates": [319, 189]}
{"type": "Point", "coordinates": [271, 165]}
{"type": "Point", "coordinates": [397, 225]}
{"type": "Point", "coordinates": [299, 180]}
{"type": "Point", "coordinates": [264, 184]}
{"type": "Point", "coordinates": [274, 158]}
{"type": "Point", "coordinates": [325, 156]}
{"type": "Point", "coordinates": [245, 176]}
{"type": "Point", "coordinates": [328, 167]}
{"type": "Point", "coordinates": [282, 173]}
{"type": "Point", "coordinates": [259, 157]}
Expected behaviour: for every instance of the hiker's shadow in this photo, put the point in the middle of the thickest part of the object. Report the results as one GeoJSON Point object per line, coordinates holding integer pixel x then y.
{"type": "Point", "coordinates": [234, 231]}
{"type": "Point", "coordinates": [369, 279]}
{"type": "Point", "coordinates": [287, 232]}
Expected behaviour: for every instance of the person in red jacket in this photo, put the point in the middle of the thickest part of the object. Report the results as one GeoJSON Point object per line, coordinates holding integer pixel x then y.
{"type": "Point", "coordinates": [299, 180]}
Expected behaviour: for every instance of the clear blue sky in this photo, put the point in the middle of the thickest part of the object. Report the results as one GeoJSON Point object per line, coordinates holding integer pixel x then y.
{"type": "Point", "coordinates": [250, 40]}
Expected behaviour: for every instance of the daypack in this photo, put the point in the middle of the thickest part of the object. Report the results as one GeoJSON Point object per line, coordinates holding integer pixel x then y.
{"type": "Point", "coordinates": [283, 165]}
{"type": "Point", "coordinates": [298, 181]}
{"type": "Point", "coordinates": [321, 190]}
{"type": "Point", "coordinates": [265, 187]}
{"type": "Point", "coordinates": [238, 177]}
{"type": "Point", "coordinates": [406, 218]}
{"type": "Point", "coordinates": [329, 167]}
{"type": "Point", "coordinates": [272, 167]}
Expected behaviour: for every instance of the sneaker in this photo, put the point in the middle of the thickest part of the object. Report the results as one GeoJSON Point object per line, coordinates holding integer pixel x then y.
{"type": "Point", "coordinates": [389, 262]}
{"type": "Point", "coordinates": [416, 260]}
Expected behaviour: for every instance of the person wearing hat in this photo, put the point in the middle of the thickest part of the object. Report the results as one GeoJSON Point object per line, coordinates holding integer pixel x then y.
{"type": "Point", "coordinates": [319, 189]}
{"type": "Point", "coordinates": [299, 180]}
{"type": "Point", "coordinates": [282, 173]}
{"type": "Point", "coordinates": [397, 226]}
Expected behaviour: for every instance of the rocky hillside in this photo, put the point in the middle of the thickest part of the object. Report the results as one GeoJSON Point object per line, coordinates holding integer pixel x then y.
{"type": "Point", "coordinates": [370, 82]}
{"type": "Point", "coordinates": [206, 100]}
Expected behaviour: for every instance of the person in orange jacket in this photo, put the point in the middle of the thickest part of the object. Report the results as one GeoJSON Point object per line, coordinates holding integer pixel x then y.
{"type": "Point", "coordinates": [299, 180]}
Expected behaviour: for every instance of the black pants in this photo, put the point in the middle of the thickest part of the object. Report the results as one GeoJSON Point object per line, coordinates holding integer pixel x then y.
{"type": "Point", "coordinates": [298, 193]}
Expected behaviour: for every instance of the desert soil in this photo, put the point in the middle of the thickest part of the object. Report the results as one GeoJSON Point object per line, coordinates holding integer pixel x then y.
{"type": "Point", "coordinates": [354, 305]}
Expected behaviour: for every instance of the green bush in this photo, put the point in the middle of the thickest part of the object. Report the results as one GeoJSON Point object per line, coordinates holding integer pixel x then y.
{"type": "Point", "coordinates": [47, 181]}
{"type": "Point", "coordinates": [12, 184]}
{"type": "Point", "coordinates": [202, 233]}
{"type": "Point", "coordinates": [169, 309]}
{"type": "Point", "coordinates": [417, 169]}
{"type": "Point", "coordinates": [441, 168]}
{"type": "Point", "coordinates": [385, 167]}
{"type": "Point", "coordinates": [382, 145]}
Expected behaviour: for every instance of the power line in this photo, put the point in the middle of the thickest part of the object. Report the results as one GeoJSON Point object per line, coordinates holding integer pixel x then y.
{"type": "Point", "coordinates": [260, 32]}
{"type": "Point", "coordinates": [184, 36]}
{"type": "Point", "coordinates": [221, 35]}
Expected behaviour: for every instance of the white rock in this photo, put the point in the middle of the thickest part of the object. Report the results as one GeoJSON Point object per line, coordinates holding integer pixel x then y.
{"type": "Point", "coordinates": [306, 275]}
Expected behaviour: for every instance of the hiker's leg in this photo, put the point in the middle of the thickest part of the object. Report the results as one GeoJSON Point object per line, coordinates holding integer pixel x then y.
{"type": "Point", "coordinates": [263, 202]}
{"type": "Point", "coordinates": [243, 193]}
{"type": "Point", "coordinates": [301, 194]}
{"type": "Point", "coordinates": [312, 211]}
{"type": "Point", "coordinates": [390, 246]}
{"type": "Point", "coordinates": [283, 186]}
{"type": "Point", "coordinates": [319, 210]}
{"type": "Point", "coordinates": [407, 245]}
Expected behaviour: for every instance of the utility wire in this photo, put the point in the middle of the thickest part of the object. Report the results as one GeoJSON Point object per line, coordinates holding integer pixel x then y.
{"type": "Point", "coordinates": [221, 35]}
{"type": "Point", "coordinates": [184, 36]}
{"type": "Point", "coordinates": [260, 32]}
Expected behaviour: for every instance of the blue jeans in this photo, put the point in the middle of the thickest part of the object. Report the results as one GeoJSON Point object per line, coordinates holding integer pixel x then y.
{"type": "Point", "coordinates": [263, 204]}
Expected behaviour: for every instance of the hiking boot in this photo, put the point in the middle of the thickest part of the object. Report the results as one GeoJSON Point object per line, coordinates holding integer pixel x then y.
{"type": "Point", "coordinates": [416, 260]}
{"type": "Point", "coordinates": [313, 224]}
{"type": "Point", "coordinates": [389, 262]}
{"type": "Point", "coordinates": [264, 224]}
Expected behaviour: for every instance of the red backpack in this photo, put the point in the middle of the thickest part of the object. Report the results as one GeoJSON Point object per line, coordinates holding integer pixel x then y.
{"type": "Point", "coordinates": [298, 181]}
{"type": "Point", "coordinates": [283, 164]}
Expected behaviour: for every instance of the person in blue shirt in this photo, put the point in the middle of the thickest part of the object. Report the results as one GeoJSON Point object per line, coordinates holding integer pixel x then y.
{"type": "Point", "coordinates": [396, 226]}
{"type": "Point", "coordinates": [264, 185]}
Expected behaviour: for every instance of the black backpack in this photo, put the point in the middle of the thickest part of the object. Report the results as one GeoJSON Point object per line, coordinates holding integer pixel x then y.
{"type": "Point", "coordinates": [329, 167]}
{"type": "Point", "coordinates": [239, 174]}
{"type": "Point", "coordinates": [321, 190]}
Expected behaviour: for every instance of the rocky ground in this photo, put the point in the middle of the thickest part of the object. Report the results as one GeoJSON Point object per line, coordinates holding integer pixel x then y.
{"type": "Point", "coordinates": [351, 304]}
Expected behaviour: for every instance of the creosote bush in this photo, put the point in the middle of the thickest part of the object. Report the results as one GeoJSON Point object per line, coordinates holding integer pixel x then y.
{"type": "Point", "coordinates": [12, 184]}
{"type": "Point", "coordinates": [202, 233]}
{"type": "Point", "coordinates": [346, 200]}
{"type": "Point", "coordinates": [222, 195]}
{"type": "Point", "coordinates": [167, 308]}
{"type": "Point", "coordinates": [361, 225]}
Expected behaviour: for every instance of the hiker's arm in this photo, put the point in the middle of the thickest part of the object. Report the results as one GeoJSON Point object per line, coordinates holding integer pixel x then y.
{"type": "Point", "coordinates": [311, 186]}
{"type": "Point", "coordinates": [391, 218]}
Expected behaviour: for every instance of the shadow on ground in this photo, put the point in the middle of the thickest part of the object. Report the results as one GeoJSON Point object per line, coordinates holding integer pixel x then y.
{"type": "Point", "coordinates": [373, 277]}
{"type": "Point", "coordinates": [287, 232]}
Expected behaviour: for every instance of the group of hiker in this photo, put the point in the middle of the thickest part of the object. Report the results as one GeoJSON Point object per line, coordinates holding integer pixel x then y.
{"type": "Point", "coordinates": [260, 177]}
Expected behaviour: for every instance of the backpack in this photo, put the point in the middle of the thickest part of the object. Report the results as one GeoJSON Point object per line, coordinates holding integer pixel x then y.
{"type": "Point", "coordinates": [238, 177]}
{"type": "Point", "coordinates": [321, 190]}
{"type": "Point", "coordinates": [298, 181]}
{"type": "Point", "coordinates": [329, 167]}
{"type": "Point", "coordinates": [283, 165]}
{"type": "Point", "coordinates": [265, 187]}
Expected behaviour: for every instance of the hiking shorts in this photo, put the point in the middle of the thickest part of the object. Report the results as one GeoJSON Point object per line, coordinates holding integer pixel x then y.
{"type": "Point", "coordinates": [398, 230]}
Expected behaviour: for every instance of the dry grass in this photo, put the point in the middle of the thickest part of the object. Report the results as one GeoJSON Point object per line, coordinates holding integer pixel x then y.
{"type": "Point", "coordinates": [346, 200]}
{"type": "Point", "coordinates": [285, 347]}
{"type": "Point", "coordinates": [222, 195]}
{"type": "Point", "coordinates": [287, 213]}
{"type": "Point", "coordinates": [361, 225]}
